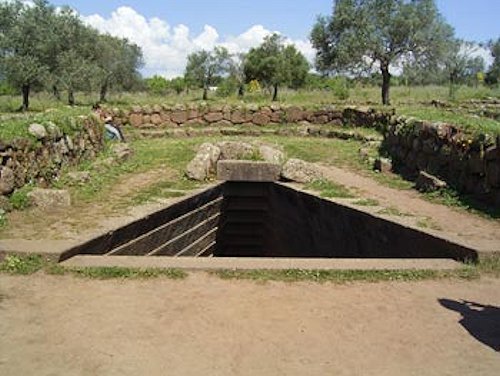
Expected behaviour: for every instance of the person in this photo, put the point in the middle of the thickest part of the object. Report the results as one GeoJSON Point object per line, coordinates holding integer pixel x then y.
{"type": "Point", "coordinates": [112, 132]}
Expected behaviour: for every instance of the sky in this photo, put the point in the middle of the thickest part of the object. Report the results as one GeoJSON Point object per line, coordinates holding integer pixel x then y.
{"type": "Point", "coordinates": [169, 30]}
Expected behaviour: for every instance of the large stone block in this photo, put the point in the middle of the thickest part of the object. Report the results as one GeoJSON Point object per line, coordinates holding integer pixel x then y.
{"type": "Point", "coordinates": [260, 119]}
{"type": "Point", "coordinates": [231, 170]}
{"type": "Point", "coordinates": [49, 198]}
{"type": "Point", "coordinates": [213, 117]}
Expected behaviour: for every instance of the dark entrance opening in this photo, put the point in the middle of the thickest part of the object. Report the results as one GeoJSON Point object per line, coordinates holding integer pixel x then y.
{"type": "Point", "coordinates": [246, 219]}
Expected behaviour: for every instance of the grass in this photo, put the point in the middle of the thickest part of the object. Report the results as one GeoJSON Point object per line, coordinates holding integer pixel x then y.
{"type": "Point", "coordinates": [164, 189]}
{"type": "Point", "coordinates": [344, 276]}
{"type": "Point", "coordinates": [366, 202]}
{"type": "Point", "coordinates": [329, 189]}
{"type": "Point", "coordinates": [394, 212]}
{"type": "Point", "coordinates": [30, 264]}
{"type": "Point", "coordinates": [428, 223]}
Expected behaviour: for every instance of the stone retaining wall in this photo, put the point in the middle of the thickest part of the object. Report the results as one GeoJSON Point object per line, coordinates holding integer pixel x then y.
{"type": "Point", "coordinates": [23, 160]}
{"type": "Point", "coordinates": [162, 116]}
{"type": "Point", "coordinates": [469, 163]}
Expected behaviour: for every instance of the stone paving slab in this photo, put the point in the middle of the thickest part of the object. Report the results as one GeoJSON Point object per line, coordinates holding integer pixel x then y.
{"type": "Point", "coordinates": [214, 263]}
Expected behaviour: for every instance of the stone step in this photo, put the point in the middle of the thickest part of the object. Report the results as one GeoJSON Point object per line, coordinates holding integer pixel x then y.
{"type": "Point", "coordinates": [215, 263]}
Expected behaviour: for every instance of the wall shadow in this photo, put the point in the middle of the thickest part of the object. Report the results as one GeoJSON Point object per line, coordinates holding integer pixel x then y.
{"type": "Point", "coordinates": [481, 321]}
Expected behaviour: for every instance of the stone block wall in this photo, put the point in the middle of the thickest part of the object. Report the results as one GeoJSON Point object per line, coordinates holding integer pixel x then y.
{"type": "Point", "coordinates": [23, 161]}
{"type": "Point", "coordinates": [469, 163]}
{"type": "Point", "coordinates": [163, 116]}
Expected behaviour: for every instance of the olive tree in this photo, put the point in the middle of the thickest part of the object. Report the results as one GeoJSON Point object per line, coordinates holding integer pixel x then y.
{"type": "Point", "coordinates": [361, 34]}
{"type": "Point", "coordinates": [273, 63]}
{"type": "Point", "coordinates": [204, 67]}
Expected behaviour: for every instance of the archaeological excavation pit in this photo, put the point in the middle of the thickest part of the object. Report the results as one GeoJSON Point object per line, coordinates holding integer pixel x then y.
{"type": "Point", "coordinates": [254, 216]}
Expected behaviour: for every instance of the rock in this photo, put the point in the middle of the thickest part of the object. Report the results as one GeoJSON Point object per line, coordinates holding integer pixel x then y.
{"type": "Point", "coordinates": [271, 155]}
{"type": "Point", "coordinates": [5, 204]}
{"type": "Point", "coordinates": [179, 117]}
{"type": "Point", "coordinates": [213, 117]}
{"type": "Point", "coordinates": [38, 131]}
{"type": "Point", "coordinates": [54, 131]}
{"type": "Point", "coordinates": [7, 180]}
{"type": "Point", "coordinates": [300, 171]}
{"type": "Point", "coordinates": [429, 183]}
{"type": "Point", "coordinates": [383, 165]}
{"type": "Point", "coordinates": [235, 149]}
{"type": "Point", "coordinates": [364, 153]}
{"type": "Point", "coordinates": [237, 117]}
{"type": "Point", "coordinates": [230, 170]}
{"type": "Point", "coordinates": [204, 163]}
{"type": "Point", "coordinates": [136, 120]}
{"type": "Point", "coordinates": [294, 115]}
{"type": "Point", "coordinates": [79, 177]}
{"type": "Point", "coordinates": [260, 119]}
{"type": "Point", "coordinates": [49, 198]}
{"type": "Point", "coordinates": [121, 151]}
{"type": "Point", "coordinates": [156, 119]}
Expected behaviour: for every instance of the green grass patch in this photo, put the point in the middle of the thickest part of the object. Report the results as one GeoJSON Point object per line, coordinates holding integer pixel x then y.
{"type": "Point", "coordinates": [367, 202]}
{"type": "Point", "coordinates": [19, 199]}
{"type": "Point", "coordinates": [428, 223]}
{"type": "Point", "coordinates": [22, 265]}
{"type": "Point", "coordinates": [329, 189]}
{"type": "Point", "coordinates": [490, 265]}
{"type": "Point", "coordinates": [394, 212]}
{"type": "Point", "coordinates": [164, 189]}
{"type": "Point", "coordinates": [344, 276]}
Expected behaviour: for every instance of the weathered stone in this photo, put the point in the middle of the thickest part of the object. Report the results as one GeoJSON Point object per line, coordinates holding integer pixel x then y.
{"type": "Point", "coordinates": [238, 118]}
{"type": "Point", "coordinates": [235, 149]}
{"type": "Point", "coordinates": [7, 180]}
{"type": "Point", "coordinates": [260, 119]}
{"type": "Point", "coordinates": [223, 123]}
{"type": "Point", "coordinates": [121, 151]}
{"type": "Point", "coordinates": [193, 113]}
{"type": "Point", "coordinates": [383, 165]}
{"type": "Point", "coordinates": [429, 183]}
{"type": "Point", "coordinates": [5, 204]}
{"type": "Point", "coordinates": [135, 119]}
{"type": "Point", "coordinates": [157, 108]}
{"type": "Point", "coordinates": [271, 155]}
{"type": "Point", "coordinates": [364, 153]}
{"type": "Point", "coordinates": [300, 171]}
{"type": "Point", "coordinates": [49, 198]}
{"type": "Point", "coordinates": [168, 124]}
{"type": "Point", "coordinates": [231, 170]}
{"type": "Point", "coordinates": [204, 163]}
{"type": "Point", "coordinates": [79, 177]}
{"type": "Point", "coordinates": [54, 131]}
{"type": "Point", "coordinates": [156, 119]}
{"type": "Point", "coordinates": [195, 122]}
{"type": "Point", "coordinates": [179, 117]}
{"type": "Point", "coordinates": [213, 117]}
{"type": "Point", "coordinates": [136, 109]}
{"type": "Point", "coordinates": [146, 119]}
{"type": "Point", "coordinates": [38, 131]}
{"type": "Point", "coordinates": [294, 114]}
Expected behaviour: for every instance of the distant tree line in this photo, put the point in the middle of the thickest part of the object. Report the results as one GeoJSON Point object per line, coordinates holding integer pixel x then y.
{"type": "Point", "coordinates": [45, 47]}
{"type": "Point", "coordinates": [363, 35]}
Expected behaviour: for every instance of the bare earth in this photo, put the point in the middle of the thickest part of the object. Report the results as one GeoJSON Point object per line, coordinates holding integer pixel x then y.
{"type": "Point", "coordinates": [207, 326]}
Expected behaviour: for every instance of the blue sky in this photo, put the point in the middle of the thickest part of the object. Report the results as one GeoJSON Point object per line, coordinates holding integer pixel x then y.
{"type": "Point", "coordinates": [472, 19]}
{"type": "Point", "coordinates": [169, 30]}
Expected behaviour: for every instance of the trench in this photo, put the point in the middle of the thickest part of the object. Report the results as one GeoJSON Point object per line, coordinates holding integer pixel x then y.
{"type": "Point", "coordinates": [266, 219]}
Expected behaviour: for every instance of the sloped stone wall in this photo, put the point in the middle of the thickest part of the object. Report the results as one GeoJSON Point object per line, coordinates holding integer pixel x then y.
{"type": "Point", "coordinates": [469, 163]}
{"type": "Point", "coordinates": [23, 161]}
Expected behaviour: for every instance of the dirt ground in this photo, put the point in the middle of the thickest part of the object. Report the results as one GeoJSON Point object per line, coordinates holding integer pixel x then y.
{"type": "Point", "coordinates": [207, 326]}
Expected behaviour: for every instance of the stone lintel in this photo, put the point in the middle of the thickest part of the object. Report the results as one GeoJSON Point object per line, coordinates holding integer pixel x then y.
{"type": "Point", "coordinates": [252, 171]}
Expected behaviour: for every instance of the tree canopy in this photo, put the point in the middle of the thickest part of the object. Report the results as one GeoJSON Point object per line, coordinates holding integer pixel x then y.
{"type": "Point", "coordinates": [42, 46]}
{"type": "Point", "coordinates": [362, 34]}
{"type": "Point", "coordinates": [273, 63]}
{"type": "Point", "coordinates": [204, 67]}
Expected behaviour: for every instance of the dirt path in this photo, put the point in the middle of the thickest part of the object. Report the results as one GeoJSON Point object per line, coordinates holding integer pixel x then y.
{"type": "Point", "coordinates": [464, 227]}
{"type": "Point", "coordinates": [207, 326]}
{"type": "Point", "coordinates": [86, 217]}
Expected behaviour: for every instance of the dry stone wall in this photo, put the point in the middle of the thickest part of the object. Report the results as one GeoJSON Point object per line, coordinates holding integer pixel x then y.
{"type": "Point", "coordinates": [163, 116]}
{"type": "Point", "coordinates": [24, 160]}
{"type": "Point", "coordinates": [469, 163]}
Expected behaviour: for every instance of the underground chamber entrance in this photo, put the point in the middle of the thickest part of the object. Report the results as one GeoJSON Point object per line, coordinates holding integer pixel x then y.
{"type": "Point", "coordinates": [261, 219]}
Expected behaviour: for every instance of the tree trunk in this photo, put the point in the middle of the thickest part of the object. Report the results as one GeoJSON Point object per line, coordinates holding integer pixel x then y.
{"type": "Point", "coordinates": [71, 97]}
{"type": "Point", "coordinates": [103, 92]}
{"type": "Point", "coordinates": [241, 91]}
{"type": "Point", "coordinates": [451, 93]}
{"type": "Point", "coordinates": [26, 97]}
{"type": "Point", "coordinates": [275, 95]}
{"type": "Point", "coordinates": [205, 93]}
{"type": "Point", "coordinates": [386, 83]}
{"type": "Point", "coordinates": [56, 92]}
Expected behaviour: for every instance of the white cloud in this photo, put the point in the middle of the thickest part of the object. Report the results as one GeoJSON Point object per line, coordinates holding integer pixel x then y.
{"type": "Point", "coordinates": [166, 48]}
